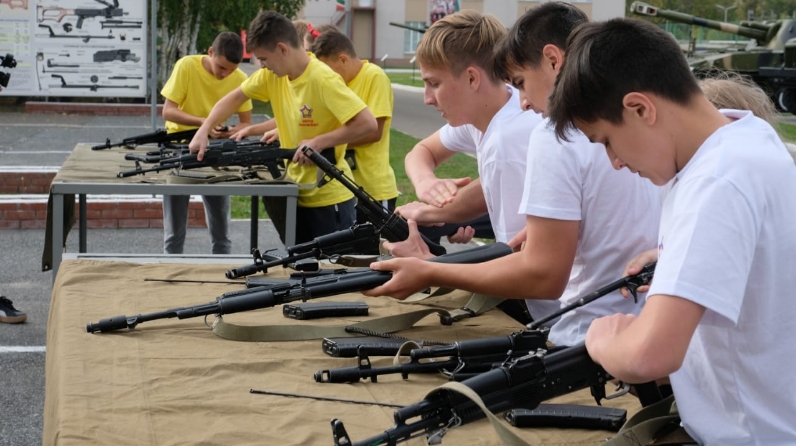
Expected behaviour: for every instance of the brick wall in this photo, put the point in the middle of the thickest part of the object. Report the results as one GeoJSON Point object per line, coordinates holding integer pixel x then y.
{"type": "Point", "coordinates": [23, 205]}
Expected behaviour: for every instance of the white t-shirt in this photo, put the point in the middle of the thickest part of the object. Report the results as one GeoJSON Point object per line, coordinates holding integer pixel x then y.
{"type": "Point", "coordinates": [728, 242]}
{"type": "Point", "coordinates": [501, 155]}
{"type": "Point", "coordinates": [618, 212]}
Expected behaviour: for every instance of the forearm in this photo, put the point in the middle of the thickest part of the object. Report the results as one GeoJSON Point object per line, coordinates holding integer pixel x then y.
{"type": "Point", "coordinates": [511, 277]}
{"type": "Point", "coordinates": [223, 109]}
{"type": "Point", "coordinates": [177, 116]}
{"type": "Point", "coordinates": [420, 165]}
{"type": "Point", "coordinates": [468, 204]}
{"type": "Point", "coordinates": [372, 137]}
{"type": "Point", "coordinates": [356, 128]}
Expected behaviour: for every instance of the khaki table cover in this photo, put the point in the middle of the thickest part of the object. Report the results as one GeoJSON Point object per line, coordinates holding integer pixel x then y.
{"type": "Point", "coordinates": [101, 166]}
{"type": "Point", "coordinates": [172, 382]}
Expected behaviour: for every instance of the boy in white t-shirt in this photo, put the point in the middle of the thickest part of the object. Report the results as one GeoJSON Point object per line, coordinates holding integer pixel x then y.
{"type": "Point", "coordinates": [720, 317]}
{"type": "Point", "coordinates": [582, 219]}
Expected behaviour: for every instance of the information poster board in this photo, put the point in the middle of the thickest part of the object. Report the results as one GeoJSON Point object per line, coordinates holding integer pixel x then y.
{"type": "Point", "coordinates": [74, 47]}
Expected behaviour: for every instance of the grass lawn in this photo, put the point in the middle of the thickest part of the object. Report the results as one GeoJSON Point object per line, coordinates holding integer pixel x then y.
{"type": "Point", "coordinates": [788, 132]}
{"type": "Point", "coordinates": [406, 78]}
{"type": "Point", "coordinates": [459, 165]}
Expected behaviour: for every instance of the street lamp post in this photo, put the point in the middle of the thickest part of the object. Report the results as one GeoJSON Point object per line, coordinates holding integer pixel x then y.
{"type": "Point", "coordinates": [726, 9]}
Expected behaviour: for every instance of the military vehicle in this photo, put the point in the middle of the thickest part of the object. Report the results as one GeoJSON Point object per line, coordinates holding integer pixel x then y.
{"type": "Point", "coordinates": [769, 59]}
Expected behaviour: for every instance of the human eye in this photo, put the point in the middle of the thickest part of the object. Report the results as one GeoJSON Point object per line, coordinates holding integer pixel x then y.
{"type": "Point", "coordinates": [517, 83]}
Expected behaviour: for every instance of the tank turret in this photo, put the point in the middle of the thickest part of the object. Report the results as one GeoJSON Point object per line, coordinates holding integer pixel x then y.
{"type": "Point", "coordinates": [771, 63]}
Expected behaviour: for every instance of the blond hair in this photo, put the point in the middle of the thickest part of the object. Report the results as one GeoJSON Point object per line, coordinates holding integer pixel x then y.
{"type": "Point", "coordinates": [301, 28]}
{"type": "Point", "coordinates": [461, 40]}
{"type": "Point", "coordinates": [728, 89]}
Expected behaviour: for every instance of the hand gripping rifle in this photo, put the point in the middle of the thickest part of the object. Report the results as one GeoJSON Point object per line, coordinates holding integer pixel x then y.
{"type": "Point", "coordinates": [336, 243]}
{"type": "Point", "coordinates": [471, 356]}
{"type": "Point", "coordinates": [392, 226]}
{"type": "Point", "coordinates": [223, 153]}
{"type": "Point", "coordinates": [157, 137]}
{"type": "Point", "coordinates": [632, 283]}
{"type": "Point", "coordinates": [322, 286]}
{"type": "Point", "coordinates": [521, 383]}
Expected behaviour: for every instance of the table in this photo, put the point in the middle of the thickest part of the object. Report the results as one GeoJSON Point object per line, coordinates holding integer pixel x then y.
{"type": "Point", "coordinates": [172, 382]}
{"type": "Point", "coordinates": [86, 171]}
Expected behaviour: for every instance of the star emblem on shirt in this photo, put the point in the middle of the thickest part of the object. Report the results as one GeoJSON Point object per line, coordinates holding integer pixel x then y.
{"type": "Point", "coordinates": [306, 112]}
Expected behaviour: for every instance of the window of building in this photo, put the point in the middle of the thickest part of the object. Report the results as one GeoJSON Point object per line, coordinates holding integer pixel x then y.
{"type": "Point", "coordinates": [412, 38]}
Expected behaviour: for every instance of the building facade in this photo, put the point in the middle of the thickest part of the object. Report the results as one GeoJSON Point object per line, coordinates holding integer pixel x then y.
{"type": "Point", "coordinates": [368, 21]}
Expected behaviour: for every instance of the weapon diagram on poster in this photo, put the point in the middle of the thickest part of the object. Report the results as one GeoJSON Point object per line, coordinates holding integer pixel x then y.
{"type": "Point", "coordinates": [89, 70]}
{"type": "Point", "coordinates": [88, 19]}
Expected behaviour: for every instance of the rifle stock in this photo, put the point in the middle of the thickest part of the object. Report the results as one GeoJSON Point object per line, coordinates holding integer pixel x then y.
{"type": "Point", "coordinates": [392, 226]}
{"type": "Point", "coordinates": [323, 286]}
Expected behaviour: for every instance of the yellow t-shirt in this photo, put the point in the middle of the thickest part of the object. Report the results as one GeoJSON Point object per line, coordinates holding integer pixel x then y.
{"type": "Point", "coordinates": [374, 172]}
{"type": "Point", "coordinates": [312, 104]}
{"type": "Point", "coordinates": [196, 91]}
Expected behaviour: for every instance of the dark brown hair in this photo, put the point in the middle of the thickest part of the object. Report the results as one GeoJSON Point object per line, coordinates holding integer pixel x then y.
{"type": "Point", "coordinates": [549, 23]}
{"type": "Point", "coordinates": [270, 28]}
{"type": "Point", "coordinates": [606, 61]}
{"type": "Point", "coordinates": [229, 45]}
{"type": "Point", "coordinates": [332, 43]}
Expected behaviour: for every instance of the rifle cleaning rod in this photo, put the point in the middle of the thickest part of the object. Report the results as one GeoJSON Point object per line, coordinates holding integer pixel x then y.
{"type": "Point", "coordinates": [324, 398]}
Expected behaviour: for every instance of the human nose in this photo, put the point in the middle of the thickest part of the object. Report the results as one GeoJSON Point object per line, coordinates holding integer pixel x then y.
{"type": "Point", "coordinates": [525, 103]}
{"type": "Point", "coordinates": [615, 161]}
{"type": "Point", "coordinates": [428, 96]}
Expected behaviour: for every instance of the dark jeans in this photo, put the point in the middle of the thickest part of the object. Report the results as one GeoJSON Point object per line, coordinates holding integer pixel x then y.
{"type": "Point", "coordinates": [315, 222]}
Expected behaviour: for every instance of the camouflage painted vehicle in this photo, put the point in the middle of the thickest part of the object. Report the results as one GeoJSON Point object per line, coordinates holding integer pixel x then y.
{"type": "Point", "coordinates": [769, 59]}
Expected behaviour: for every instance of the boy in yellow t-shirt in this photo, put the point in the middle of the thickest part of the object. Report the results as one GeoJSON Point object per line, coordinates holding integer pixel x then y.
{"type": "Point", "coordinates": [372, 152]}
{"type": "Point", "coordinates": [195, 85]}
{"type": "Point", "coordinates": [313, 107]}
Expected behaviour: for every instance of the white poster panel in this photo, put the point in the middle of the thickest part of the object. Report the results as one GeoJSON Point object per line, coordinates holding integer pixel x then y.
{"type": "Point", "coordinates": [92, 48]}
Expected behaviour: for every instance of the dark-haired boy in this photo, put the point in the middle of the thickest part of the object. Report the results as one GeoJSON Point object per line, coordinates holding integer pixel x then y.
{"type": "Point", "coordinates": [371, 152]}
{"type": "Point", "coordinates": [313, 107]}
{"type": "Point", "coordinates": [195, 85]}
{"type": "Point", "coordinates": [582, 219]}
{"type": "Point", "coordinates": [720, 315]}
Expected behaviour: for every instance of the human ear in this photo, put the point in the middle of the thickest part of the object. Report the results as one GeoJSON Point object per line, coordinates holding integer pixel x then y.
{"type": "Point", "coordinates": [640, 106]}
{"type": "Point", "coordinates": [473, 77]}
{"type": "Point", "coordinates": [552, 57]}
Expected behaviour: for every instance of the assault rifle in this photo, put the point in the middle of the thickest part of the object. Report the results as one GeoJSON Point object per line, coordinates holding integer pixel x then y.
{"type": "Point", "coordinates": [336, 243]}
{"type": "Point", "coordinates": [14, 4]}
{"type": "Point", "coordinates": [472, 356]}
{"type": "Point", "coordinates": [632, 283]}
{"type": "Point", "coordinates": [110, 11]}
{"type": "Point", "coordinates": [392, 226]}
{"type": "Point", "coordinates": [521, 383]}
{"type": "Point", "coordinates": [223, 153]}
{"type": "Point", "coordinates": [322, 286]}
{"type": "Point", "coordinates": [157, 137]}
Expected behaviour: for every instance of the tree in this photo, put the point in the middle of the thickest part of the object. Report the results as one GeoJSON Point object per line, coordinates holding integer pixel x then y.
{"type": "Point", "coordinates": [180, 23]}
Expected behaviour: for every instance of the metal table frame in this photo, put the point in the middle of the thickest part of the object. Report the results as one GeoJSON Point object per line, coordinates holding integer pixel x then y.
{"type": "Point", "coordinates": [59, 189]}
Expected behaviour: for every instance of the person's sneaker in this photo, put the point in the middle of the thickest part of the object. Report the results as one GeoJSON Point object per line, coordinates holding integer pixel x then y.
{"type": "Point", "coordinates": [9, 314]}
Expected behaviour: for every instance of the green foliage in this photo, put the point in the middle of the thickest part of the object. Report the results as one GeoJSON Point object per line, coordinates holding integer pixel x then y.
{"type": "Point", "coordinates": [235, 15]}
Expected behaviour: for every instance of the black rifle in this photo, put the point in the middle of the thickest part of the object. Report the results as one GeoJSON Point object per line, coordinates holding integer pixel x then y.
{"type": "Point", "coordinates": [473, 356]}
{"type": "Point", "coordinates": [157, 137]}
{"type": "Point", "coordinates": [341, 242]}
{"type": "Point", "coordinates": [391, 226]}
{"type": "Point", "coordinates": [632, 283]}
{"type": "Point", "coordinates": [223, 153]}
{"type": "Point", "coordinates": [322, 286]}
{"type": "Point", "coordinates": [522, 383]}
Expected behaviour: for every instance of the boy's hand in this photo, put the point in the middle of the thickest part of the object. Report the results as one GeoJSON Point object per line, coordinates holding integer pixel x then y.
{"type": "Point", "coordinates": [409, 277]}
{"type": "Point", "coordinates": [603, 331]}
{"type": "Point", "coordinates": [413, 246]}
{"type": "Point", "coordinates": [413, 211]}
{"type": "Point", "coordinates": [299, 157]}
{"type": "Point", "coordinates": [635, 265]}
{"type": "Point", "coordinates": [270, 136]}
{"type": "Point", "coordinates": [439, 192]}
{"type": "Point", "coordinates": [517, 242]}
{"type": "Point", "coordinates": [198, 145]}
{"type": "Point", "coordinates": [462, 235]}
